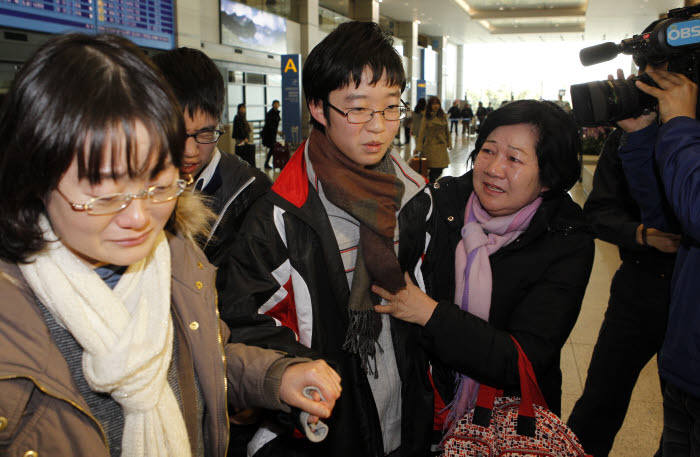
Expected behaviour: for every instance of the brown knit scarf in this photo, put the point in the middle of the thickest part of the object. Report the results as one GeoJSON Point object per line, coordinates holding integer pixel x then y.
{"type": "Point", "coordinates": [372, 196]}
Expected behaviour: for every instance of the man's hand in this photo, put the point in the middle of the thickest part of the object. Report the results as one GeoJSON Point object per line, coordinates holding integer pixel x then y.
{"type": "Point", "coordinates": [634, 124]}
{"type": "Point", "coordinates": [410, 304]}
{"type": "Point", "coordinates": [318, 374]}
{"type": "Point", "coordinates": [676, 93]}
{"type": "Point", "coordinates": [663, 241]}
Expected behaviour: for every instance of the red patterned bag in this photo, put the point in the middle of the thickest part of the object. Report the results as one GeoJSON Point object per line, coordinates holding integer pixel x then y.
{"type": "Point", "coordinates": [508, 427]}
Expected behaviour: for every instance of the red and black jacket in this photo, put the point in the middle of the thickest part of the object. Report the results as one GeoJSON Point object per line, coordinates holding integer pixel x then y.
{"type": "Point", "coordinates": [287, 271]}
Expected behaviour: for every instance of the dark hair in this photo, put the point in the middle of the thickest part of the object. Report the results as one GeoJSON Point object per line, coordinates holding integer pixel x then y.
{"type": "Point", "coordinates": [429, 112]}
{"type": "Point", "coordinates": [275, 101]}
{"type": "Point", "coordinates": [343, 55]}
{"type": "Point", "coordinates": [558, 143]}
{"type": "Point", "coordinates": [420, 106]}
{"type": "Point", "coordinates": [195, 80]}
{"type": "Point", "coordinates": [77, 97]}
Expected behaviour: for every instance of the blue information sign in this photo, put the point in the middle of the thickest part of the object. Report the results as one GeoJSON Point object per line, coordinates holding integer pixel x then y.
{"type": "Point", "coordinates": [149, 23]}
{"type": "Point", "coordinates": [291, 98]}
{"type": "Point", "coordinates": [421, 86]}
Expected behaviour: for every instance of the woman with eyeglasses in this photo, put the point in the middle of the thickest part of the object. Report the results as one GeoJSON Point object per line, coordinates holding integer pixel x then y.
{"type": "Point", "coordinates": [434, 139]}
{"type": "Point", "coordinates": [111, 342]}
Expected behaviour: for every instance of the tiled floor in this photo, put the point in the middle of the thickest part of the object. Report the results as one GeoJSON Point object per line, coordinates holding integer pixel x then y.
{"type": "Point", "coordinates": [639, 436]}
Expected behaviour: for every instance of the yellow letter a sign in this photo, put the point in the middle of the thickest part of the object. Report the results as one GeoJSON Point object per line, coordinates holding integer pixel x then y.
{"type": "Point", "coordinates": [290, 66]}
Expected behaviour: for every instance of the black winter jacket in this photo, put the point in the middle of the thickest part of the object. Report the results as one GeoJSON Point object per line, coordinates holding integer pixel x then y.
{"type": "Point", "coordinates": [269, 130]}
{"type": "Point", "coordinates": [241, 129]}
{"type": "Point", "coordinates": [287, 265]}
{"type": "Point", "coordinates": [614, 215]}
{"type": "Point", "coordinates": [538, 285]}
{"type": "Point", "coordinates": [232, 189]}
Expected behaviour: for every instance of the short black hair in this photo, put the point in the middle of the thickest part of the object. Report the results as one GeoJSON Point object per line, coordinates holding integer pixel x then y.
{"type": "Point", "coordinates": [195, 79]}
{"type": "Point", "coordinates": [275, 101]}
{"type": "Point", "coordinates": [340, 58]}
{"type": "Point", "coordinates": [78, 97]}
{"type": "Point", "coordinates": [558, 143]}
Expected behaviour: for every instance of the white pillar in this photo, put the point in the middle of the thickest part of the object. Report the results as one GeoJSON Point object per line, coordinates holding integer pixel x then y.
{"type": "Point", "coordinates": [308, 20]}
{"type": "Point", "coordinates": [408, 32]}
{"type": "Point", "coordinates": [460, 90]}
{"type": "Point", "coordinates": [364, 10]}
{"type": "Point", "coordinates": [442, 67]}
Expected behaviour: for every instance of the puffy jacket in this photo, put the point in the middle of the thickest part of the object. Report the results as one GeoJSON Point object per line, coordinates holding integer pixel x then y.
{"type": "Point", "coordinates": [41, 410]}
{"type": "Point", "coordinates": [538, 285]}
{"type": "Point", "coordinates": [287, 265]}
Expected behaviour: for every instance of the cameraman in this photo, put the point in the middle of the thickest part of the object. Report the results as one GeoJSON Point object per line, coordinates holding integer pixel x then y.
{"type": "Point", "coordinates": [635, 320]}
{"type": "Point", "coordinates": [676, 147]}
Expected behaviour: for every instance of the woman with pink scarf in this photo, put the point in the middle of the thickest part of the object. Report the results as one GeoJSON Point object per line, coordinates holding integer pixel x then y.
{"type": "Point", "coordinates": [509, 255]}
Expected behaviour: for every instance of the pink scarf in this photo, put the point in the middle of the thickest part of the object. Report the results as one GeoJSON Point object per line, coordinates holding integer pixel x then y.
{"type": "Point", "coordinates": [482, 235]}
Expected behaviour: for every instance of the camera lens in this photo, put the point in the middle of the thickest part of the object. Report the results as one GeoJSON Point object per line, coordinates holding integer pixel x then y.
{"type": "Point", "coordinates": [605, 102]}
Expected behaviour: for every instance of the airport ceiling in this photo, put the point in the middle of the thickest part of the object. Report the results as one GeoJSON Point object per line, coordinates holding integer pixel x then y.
{"type": "Point", "coordinates": [469, 21]}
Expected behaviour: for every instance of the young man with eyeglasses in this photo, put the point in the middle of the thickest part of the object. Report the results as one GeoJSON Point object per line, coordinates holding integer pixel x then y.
{"type": "Point", "coordinates": [230, 182]}
{"type": "Point", "coordinates": [345, 213]}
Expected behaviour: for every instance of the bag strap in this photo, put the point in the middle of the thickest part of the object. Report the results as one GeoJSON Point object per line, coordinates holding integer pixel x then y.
{"type": "Point", "coordinates": [530, 395]}
{"type": "Point", "coordinates": [530, 392]}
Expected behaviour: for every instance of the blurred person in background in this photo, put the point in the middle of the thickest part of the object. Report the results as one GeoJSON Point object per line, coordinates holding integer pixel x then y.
{"type": "Point", "coordinates": [434, 139]}
{"type": "Point", "coordinates": [454, 114]}
{"type": "Point", "coordinates": [270, 130]}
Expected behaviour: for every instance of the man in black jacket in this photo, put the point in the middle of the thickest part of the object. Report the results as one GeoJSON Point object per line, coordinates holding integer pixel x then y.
{"type": "Point", "coordinates": [635, 321]}
{"type": "Point", "coordinates": [454, 113]}
{"type": "Point", "coordinates": [269, 130]}
{"type": "Point", "coordinates": [345, 212]}
{"type": "Point", "coordinates": [231, 183]}
{"type": "Point", "coordinates": [467, 115]}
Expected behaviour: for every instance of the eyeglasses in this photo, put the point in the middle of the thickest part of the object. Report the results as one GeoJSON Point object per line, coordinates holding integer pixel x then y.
{"type": "Point", "coordinates": [364, 115]}
{"type": "Point", "coordinates": [205, 136]}
{"type": "Point", "coordinates": [113, 203]}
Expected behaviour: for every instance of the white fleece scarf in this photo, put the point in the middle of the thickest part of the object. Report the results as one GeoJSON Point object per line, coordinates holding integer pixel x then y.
{"type": "Point", "coordinates": [126, 335]}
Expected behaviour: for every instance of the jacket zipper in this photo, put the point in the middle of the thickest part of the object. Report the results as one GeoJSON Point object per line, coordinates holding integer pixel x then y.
{"type": "Point", "coordinates": [225, 208]}
{"type": "Point", "coordinates": [223, 358]}
{"type": "Point", "coordinates": [70, 402]}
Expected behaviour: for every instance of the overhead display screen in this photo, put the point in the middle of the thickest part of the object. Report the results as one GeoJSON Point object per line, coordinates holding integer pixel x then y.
{"type": "Point", "coordinates": [242, 25]}
{"type": "Point", "coordinates": [148, 23]}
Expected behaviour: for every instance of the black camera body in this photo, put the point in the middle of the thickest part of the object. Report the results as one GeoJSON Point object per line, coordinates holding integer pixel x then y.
{"type": "Point", "coordinates": [675, 40]}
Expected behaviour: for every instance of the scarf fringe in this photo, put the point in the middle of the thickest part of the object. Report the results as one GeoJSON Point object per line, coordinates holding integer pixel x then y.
{"type": "Point", "coordinates": [361, 338]}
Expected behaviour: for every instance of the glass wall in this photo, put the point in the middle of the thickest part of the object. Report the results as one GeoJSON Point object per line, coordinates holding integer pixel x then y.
{"type": "Point", "coordinates": [255, 86]}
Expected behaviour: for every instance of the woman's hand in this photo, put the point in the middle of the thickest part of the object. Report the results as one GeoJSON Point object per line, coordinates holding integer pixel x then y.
{"type": "Point", "coordinates": [409, 304]}
{"type": "Point", "coordinates": [317, 373]}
